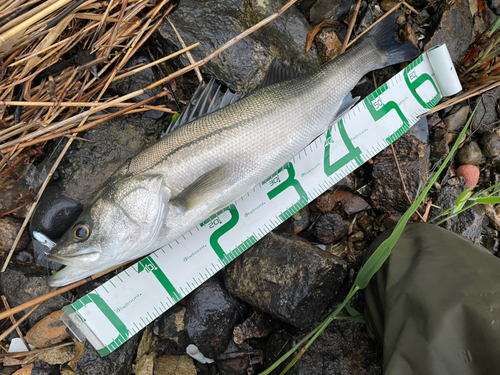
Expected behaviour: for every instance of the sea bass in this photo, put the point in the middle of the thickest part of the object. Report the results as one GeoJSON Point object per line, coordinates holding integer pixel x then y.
{"type": "Point", "coordinates": [199, 168]}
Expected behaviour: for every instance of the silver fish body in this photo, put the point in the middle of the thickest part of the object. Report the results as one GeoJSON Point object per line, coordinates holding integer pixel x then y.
{"type": "Point", "coordinates": [201, 167]}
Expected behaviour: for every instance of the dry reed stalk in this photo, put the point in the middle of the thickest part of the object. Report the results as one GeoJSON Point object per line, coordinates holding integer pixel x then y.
{"type": "Point", "coordinates": [18, 323]}
{"type": "Point", "coordinates": [13, 321]}
{"type": "Point", "coordinates": [188, 54]}
{"type": "Point", "coordinates": [35, 351]}
{"type": "Point", "coordinates": [27, 15]}
{"type": "Point", "coordinates": [351, 26]}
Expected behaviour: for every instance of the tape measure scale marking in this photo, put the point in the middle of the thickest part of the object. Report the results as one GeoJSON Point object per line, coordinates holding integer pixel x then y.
{"type": "Point", "coordinates": [109, 317]}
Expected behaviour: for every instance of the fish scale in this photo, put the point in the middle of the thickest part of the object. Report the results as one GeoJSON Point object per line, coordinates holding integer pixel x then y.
{"type": "Point", "coordinates": [125, 304]}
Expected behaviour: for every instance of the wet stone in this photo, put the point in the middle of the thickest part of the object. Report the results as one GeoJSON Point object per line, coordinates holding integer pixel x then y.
{"type": "Point", "coordinates": [20, 285]}
{"type": "Point", "coordinates": [118, 362]}
{"type": "Point", "coordinates": [48, 332]}
{"type": "Point", "coordinates": [351, 203]}
{"type": "Point", "coordinates": [420, 130]}
{"type": "Point", "coordinates": [387, 5]}
{"type": "Point", "coordinates": [388, 194]}
{"type": "Point", "coordinates": [287, 277]}
{"type": "Point", "coordinates": [300, 220]}
{"type": "Point", "coordinates": [238, 359]}
{"type": "Point", "coordinates": [258, 325]}
{"type": "Point", "coordinates": [87, 165]}
{"type": "Point", "coordinates": [491, 144]}
{"type": "Point", "coordinates": [243, 66]}
{"type": "Point", "coordinates": [331, 228]}
{"type": "Point", "coordinates": [470, 222]}
{"type": "Point", "coordinates": [9, 228]}
{"type": "Point", "coordinates": [486, 117]}
{"type": "Point", "coordinates": [170, 326]}
{"type": "Point", "coordinates": [454, 29]}
{"type": "Point", "coordinates": [440, 144]}
{"type": "Point", "coordinates": [343, 348]}
{"type": "Point", "coordinates": [470, 153]}
{"type": "Point", "coordinates": [210, 315]}
{"type": "Point", "coordinates": [333, 9]}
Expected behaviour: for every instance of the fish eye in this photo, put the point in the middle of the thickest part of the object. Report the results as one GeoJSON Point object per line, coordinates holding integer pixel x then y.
{"type": "Point", "coordinates": [81, 232]}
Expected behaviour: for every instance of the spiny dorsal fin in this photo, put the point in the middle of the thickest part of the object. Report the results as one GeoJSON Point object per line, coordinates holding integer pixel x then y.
{"type": "Point", "coordinates": [278, 72]}
{"type": "Point", "coordinates": [203, 189]}
{"type": "Point", "coordinates": [207, 98]}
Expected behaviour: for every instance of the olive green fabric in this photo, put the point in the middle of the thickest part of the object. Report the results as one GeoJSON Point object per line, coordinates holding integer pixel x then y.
{"type": "Point", "coordinates": [435, 305]}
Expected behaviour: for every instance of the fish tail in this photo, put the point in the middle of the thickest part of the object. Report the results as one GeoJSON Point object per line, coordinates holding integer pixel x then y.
{"type": "Point", "coordinates": [396, 52]}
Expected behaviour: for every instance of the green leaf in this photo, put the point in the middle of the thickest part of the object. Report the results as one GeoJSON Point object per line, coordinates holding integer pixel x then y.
{"type": "Point", "coordinates": [175, 116]}
{"type": "Point", "coordinates": [488, 200]}
{"type": "Point", "coordinates": [356, 316]}
{"type": "Point", "coordinates": [495, 26]}
{"type": "Point", "coordinates": [463, 198]}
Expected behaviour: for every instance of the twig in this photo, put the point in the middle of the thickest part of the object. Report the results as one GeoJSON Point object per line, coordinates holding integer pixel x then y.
{"type": "Point", "coordinates": [56, 292]}
{"type": "Point", "coordinates": [351, 26]}
{"type": "Point", "coordinates": [188, 54]}
{"type": "Point", "coordinates": [23, 318]}
{"type": "Point", "coordinates": [410, 7]}
{"type": "Point", "coordinates": [373, 24]}
{"type": "Point", "coordinates": [13, 321]}
{"type": "Point", "coordinates": [35, 351]}
{"type": "Point", "coordinates": [33, 206]}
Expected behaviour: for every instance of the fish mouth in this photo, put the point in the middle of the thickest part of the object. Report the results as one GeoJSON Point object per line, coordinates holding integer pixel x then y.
{"type": "Point", "coordinates": [84, 258]}
{"type": "Point", "coordinates": [69, 275]}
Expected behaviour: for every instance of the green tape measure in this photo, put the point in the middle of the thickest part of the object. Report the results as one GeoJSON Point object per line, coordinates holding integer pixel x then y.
{"type": "Point", "coordinates": [125, 304]}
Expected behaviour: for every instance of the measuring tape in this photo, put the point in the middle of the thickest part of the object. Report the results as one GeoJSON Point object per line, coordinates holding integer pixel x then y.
{"type": "Point", "coordinates": [128, 302]}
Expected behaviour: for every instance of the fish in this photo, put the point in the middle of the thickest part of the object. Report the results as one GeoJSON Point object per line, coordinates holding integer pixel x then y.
{"type": "Point", "coordinates": [208, 163]}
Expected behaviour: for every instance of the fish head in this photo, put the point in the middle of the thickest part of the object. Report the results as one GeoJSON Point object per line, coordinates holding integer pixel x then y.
{"type": "Point", "coordinates": [122, 223]}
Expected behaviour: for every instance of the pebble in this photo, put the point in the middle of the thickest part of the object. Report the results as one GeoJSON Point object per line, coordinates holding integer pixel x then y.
{"type": "Point", "coordinates": [333, 9]}
{"type": "Point", "coordinates": [456, 119]}
{"type": "Point", "coordinates": [48, 332]}
{"type": "Point", "coordinates": [491, 144]}
{"type": "Point", "coordinates": [9, 228]}
{"type": "Point", "coordinates": [170, 326]}
{"type": "Point", "coordinates": [210, 315]}
{"type": "Point", "coordinates": [329, 45]}
{"type": "Point", "coordinates": [387, 5]}
{"type": "Point", "coordinates": [174, 365]}
{"type": "Point", "coordinates": [331, 228]}
{"type": "Point", "coordinates": [301, 220]}
{"type": "Point", "coordinates": [470, 173]}
{"type": "Point", "coordinates": [258, 325]}
{"type": "Point", "coordinates": [287, 277]}
{"type": "Point", "coordinates": [351, 203]}
{"type": "Point", "coordinates": [470, 153]}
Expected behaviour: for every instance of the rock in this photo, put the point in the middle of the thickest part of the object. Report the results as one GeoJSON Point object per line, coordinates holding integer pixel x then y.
{"type": "Point", "coordinates": [366, 21]}
{"type": "Point", "coordinates": [48, 332]}
{"type": "Point", "coordinates": [170, 326]}
{"type": "Point", "coordinates": [388, 194]}
{"type": "Point", "coordinates": [13, 370]}
{"type": "Point", "coordinates": [258, 325]}
{"type": "Point", "coordinates": [300, 220]}
{"type": "Point", "coordinates": [441, 144]}
{"type": "Point", "coordinates": [333, 9]}
{"type": "Point", "coordinates": [343, 348]}
{"type": "Point", "coordinates": [118, 362]}
{"type": "Point", "coordinates": [56, 356]}
{"type": "Point", "coordinates": [469, 223]}
{"type": "Point", "coordinates": [470, 173]}
{"type": "Point", "coordinates": [9, 228]}
{"type": "Point", "coordinates": [331, 228]}
{"type": "Point", "coordinates": [243, 66]}
{"type": "Point", "coordinates": [88, 164]}
{"type": "Point", "coordinates": [42, 368]}
{"type": "Point", "coordinates": [491, 144]}
{"type": "Point", "coordinates": [494, 5]}
{"type": "Point", "coordinates": [486, 117]}
{"type": "Point", "coordinates": [210, 315]}
{"type": "Point", "coordinates": [470, 153]}
{"type": "Point", "coordinates": [21, 285]}
{"type": "Point", "coordinates": [145, 365]}
{"type": "Point", "coordinates": [456, 119]}
{"type": "Point", "coordinates": [420, 130]}
{"type": "Point", "coordinates": [351, 203]}
{"type": "Point", "coordinates": [454, 29]}
{"type": "Point", "coordinates": [387, 5]}
{"type": "Point", "coordinates": [329, 45]}
{"type": "Point", "coordinates": [325, 202]}
{"type": "Point", "coordinates": [238, 359]}
{"type": "Point", "coordinates": [286, 277]}
{"type": "Point", "coordinates": [174, 365]}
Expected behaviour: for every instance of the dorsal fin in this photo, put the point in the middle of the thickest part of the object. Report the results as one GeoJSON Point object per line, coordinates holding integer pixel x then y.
{"type": "Point", "coordinates": [277, 72]}
{"type": "Point", "coordinates": [206, 99]}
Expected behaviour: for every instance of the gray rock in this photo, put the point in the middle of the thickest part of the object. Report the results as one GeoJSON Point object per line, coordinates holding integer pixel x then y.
{"type": "Point", "coordinates": [171, 327]}
{"type": "Point", "coordinates": [210, 315]}
{"type": "Point", "coordinates": [42, 368]}
{"type": "Point", "coordinates": [333, 9]}
{"type": "Point", "coordinates": [491, 144]}
{"type": "Point", "coordinates": [470, 153]}
{"type": "Point", "coordinates": [418, 3]}
{"type": "Point", "coordinates": [331, 228]}
{"type": "Point", "coordinates": [366, 21]}
{"type": "Point", "coordinates": [454, 29]}
{"type": "Point", "coordinates": [343, 348]}
{"type": "Point", "coordinates": [388, 194]}
{"type": "Point", "coordinates": [9, 228]}
{"type": "Point", "coordinates": [258, 325]}
{"type": "Point", "coordinates": [287, 277]}
{"type": "Point", "coordinates": [243, 66]}
{"type": "Point", "coordinates": [494, 5]}
{"type": "Point", "coordinates": [88, 164]}
{"type": "Point", "coordinates": [118, 362]}
{"type": "Point", "coordinates": [470, 222]}
{"type": "Point", "coordinates": [457, 118]}
{"type": "Point", "coordinates": [21, 285]}
{"type": "Point", "coordinates": [486, 117]}
{"type": "Point", "coordinates": [238, 359]}
{"type": "Point", "coordinates": [420, 130]}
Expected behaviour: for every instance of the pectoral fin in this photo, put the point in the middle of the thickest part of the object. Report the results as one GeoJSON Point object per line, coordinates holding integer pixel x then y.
{"type": "Point", "coordinates": [203, 189]}
{"type": "Point", "coordinates": [345, 106]}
